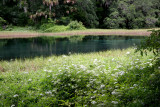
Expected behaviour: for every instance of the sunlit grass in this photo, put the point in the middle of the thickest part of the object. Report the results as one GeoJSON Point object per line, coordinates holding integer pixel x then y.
{"type": "Point", "coordinates": [111, 78]}
{"type": "Point", "coordinates": [31, 32]}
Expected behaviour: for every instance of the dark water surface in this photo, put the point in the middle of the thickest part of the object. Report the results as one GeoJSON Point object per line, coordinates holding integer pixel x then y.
{"type": "Point", "coordinates": [46, 46]}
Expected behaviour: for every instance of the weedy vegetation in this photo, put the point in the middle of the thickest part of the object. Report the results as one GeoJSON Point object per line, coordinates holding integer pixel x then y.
{"type": "Point", "coordinates": [111, 78]}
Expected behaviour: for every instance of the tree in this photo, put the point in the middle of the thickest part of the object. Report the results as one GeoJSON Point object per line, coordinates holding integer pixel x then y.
{"type": "Point", "coordinates": [152, 44]}
{"type": "Point", "coordinates": [135, 14]}
{"type": "Point", "coordinates": [86, 13]}
{"type": "Point", "coordinates": [12, 12]}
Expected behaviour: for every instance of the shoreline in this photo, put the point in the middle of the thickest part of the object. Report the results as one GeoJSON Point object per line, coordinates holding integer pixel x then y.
{"type": "Point", "coordinates": [11, 34]}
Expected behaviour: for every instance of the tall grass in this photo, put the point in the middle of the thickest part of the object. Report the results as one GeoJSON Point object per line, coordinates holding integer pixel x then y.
{"type": "Point", "coordinates": [112, 78]}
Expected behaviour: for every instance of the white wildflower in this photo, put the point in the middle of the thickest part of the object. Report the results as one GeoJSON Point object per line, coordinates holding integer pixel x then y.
{"type": "Point", "coordinates": [121, 73]}
{"type": "Point", "coordinates": [69, 53]}
{"type": "Point", "coordinates": [94, 92]}
{"type": "Point", "coordinates": [113, 59]}
{"type": "Point", "coordinates": [135, 48]}
{"type": "Point", "coordinates": [115, 69]}
{"type": "Point", "coordinates": [137, 66]}
{"type": "Point", "coordinates": [83, 67]}
{"type": "Point", "coordinates": [50, 60]}
{"type": "Point", "coordinates": [88, 85]}
{"type": "Point", "coordinates": [41, 94]}
{"type": "Point", "coordinates": [45, 70]}
{"type": "Point", "coordinates": [112, 74]}
{"type": "Point", "coordinates": [115, 102]}
{"type": "Point", "coordinates": [95, 60]}
{"type": "Point", "coordinates": [115, 82]}
{"type": "Point", "coordinates": [13, 105]}
{"type": "Point", "coordinates": [25, 72]}
{"type": "Point", "coordinates": [103, 94]}
{"type": "Point", "coordinates": [64, 56]}
{"type": "Point", "coordinates": [116, 86]}
{"type": "Point", "coordinates": [16, 95]}
{"type": "Point", "coordinates": [48, 92]}
{"type": "Point", "coordinates": [50, 71]}
{"type": "Point", "coordinates": [115, 93]}
{"type": "Point", "coordinates": [135, 85]}
{"type": "Point", "coordinates": [131, 87]}
{"type": "Point", "coordinates": [131, 68]}
{"type": "Point", "coordinates": [128, 53]}
{"type": "Point", "coordinates": [30, 80]}
{"type": "Point", "coordinates": [150, 64]}
{"type": "Point", "coordinates": [92, 97]}
{"type": "Point", "coordinates": [102, 86]}
{"type": "Point", "coordinates": [119, 66]}
{"type": "Point", "coordinates": [93, 102]}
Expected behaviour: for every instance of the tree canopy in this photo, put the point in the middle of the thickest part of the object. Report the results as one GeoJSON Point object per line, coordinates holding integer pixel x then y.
{"type": "Point", "coordinates": [128, 14]}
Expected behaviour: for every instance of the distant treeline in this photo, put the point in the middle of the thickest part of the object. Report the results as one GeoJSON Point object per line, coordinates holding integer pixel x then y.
{"type": "Point", "coordinates": [129, 14]}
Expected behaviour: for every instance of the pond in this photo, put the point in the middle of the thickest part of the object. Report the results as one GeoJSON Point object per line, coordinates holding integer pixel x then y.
{"type": "Point", "coordinates": [46, 46]}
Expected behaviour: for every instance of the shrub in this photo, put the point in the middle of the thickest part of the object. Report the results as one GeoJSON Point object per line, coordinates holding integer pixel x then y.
{"type": "Point", "coordinates": [48, 25]}
{"type": "Point", "coordinates": [2, 22]}
{"type": "Point", "coordinates": [114, 23]}
{"type": "Point", "coordinates": [75, 25]}
{"type": "Point", "coordinates": [56, 28]}
{"type": "Point", "coordinates": [152, 43]}
{"type": "Point", "coordinates": [150, 21]}
{"type": "Point", "coordinates": [64, 21]}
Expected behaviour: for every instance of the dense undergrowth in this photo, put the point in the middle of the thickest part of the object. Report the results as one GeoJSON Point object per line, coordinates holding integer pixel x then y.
{"type": "Point", "coordinates": [112, 78]}
{"type": "Point", "coordinates": [50, 26]}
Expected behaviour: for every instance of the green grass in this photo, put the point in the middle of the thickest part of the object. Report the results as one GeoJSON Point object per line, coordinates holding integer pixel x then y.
{"type": "Point", "coordinates": [32, 29]}
{"type": "Point", "coordinates": [56, 28]}
{"type": "Point", "coordinates": [21, 29]}
{"type": "Point", "coordinates": [111, 78]}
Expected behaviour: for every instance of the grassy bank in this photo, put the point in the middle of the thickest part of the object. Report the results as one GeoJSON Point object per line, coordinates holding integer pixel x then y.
{"type": "Point", "coordinates": [112, 78]}
{"type": "Point", "coordinates": [25, 33]}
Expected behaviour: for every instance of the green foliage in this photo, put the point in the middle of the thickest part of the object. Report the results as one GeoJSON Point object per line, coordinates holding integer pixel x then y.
{"type": "Point", "coordinates": [86, 13]}
{"type": "Point", "coordinates": [2, 21]}
{"type": "Point", "coordinates": [64, 21]}
{"type": "Point", "coordinates": [11, 12]}
{"type": "Point", "coordinates": [75, 25]}
{"type": "Point", "coordinates": [131, 14]}
{"type": "Point", "coordinates": [56, 28]}
{"type": "Point", "coordinates": [151, 21]}
{"type": "Point", "coordinates": [122, 79]}
{"type": "Point", "coordinates": [114, 23]}
{"type": "Point", "coordinates": [128, 14]}
{"type": "Point", "coordinates": [152, 43]}
{"type": "Point", "coordinates": [47, 25]}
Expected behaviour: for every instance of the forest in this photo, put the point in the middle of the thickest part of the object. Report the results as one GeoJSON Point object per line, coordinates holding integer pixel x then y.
{"type": "Point", "coordinates": [106, 14]}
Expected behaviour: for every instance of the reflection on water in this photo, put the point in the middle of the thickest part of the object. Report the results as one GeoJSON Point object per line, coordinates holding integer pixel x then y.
{"type": "Point", "coordinates": [46, 46]}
